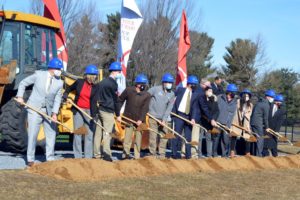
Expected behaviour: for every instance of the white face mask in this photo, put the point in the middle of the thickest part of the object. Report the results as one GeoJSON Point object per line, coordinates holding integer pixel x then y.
{"type": "Point", "coordinates": [271, 100]}
{"type": "Point", "coordinates": [247, 98]}
{"type": "Point", "coordinates": [118, 76]}
{"type": "Point", "coordinates": [57, 73]}
{"type": "Point", "coordinates": [168, 86]}
{"type": "Point", "coordinates": [209, 93]}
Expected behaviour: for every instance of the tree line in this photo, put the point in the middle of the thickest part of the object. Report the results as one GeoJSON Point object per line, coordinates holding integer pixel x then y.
{"type": "Point", "coordinates": [154, 52]}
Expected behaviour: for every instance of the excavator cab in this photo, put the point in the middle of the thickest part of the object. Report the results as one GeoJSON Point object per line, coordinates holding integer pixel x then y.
{"type": "Point", "coordinates": [27, 43]}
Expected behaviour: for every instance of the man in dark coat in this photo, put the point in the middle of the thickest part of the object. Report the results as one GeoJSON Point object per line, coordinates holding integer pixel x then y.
{"type": "Point", "coordinates": [259, 119]}
{"type": "Point", "coordinates": [276, 117]}
{"type": "Point", "coordinates": [217, 87]}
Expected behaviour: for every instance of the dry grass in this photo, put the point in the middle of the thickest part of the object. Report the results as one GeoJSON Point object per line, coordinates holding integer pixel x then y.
{"type": "Point", "coordinates": [272, 184]}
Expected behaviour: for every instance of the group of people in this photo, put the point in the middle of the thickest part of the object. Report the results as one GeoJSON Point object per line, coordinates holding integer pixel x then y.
{"type": "Point", "coordinates": [224, 117]}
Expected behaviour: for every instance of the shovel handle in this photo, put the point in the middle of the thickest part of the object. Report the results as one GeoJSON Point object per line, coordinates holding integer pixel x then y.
{"type": "Point", "coordinates": [43, 114]}
{"type": "Point", "coordinates": [87, 115]}
{"type": "Point", "coordinates": [279, 136]}
{"type": "Point", "coordinates": [188, 121]}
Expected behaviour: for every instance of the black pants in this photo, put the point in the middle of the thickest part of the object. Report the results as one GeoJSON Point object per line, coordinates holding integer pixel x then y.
{"type": "Point", "coordinates": [270, 143]}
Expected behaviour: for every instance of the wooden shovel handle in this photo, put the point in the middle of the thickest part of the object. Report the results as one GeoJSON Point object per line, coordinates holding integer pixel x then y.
{"type": "Point", "coordinates": [87, 115]}
{"type": "Point", "coordinates": [188, 121]}
{"type": "Point", "coordinates": [43, 114]}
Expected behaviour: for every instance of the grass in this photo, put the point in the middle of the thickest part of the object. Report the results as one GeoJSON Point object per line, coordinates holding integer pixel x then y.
{"type": "Point", "coordinates": [277, 184]}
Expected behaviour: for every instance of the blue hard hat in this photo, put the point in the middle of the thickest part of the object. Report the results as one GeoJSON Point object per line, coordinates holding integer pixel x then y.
{"type": "Point", "coordinates": [192, 80]}
{"type": "Point", "coordinates": [141, 78]}
{"type": "Point", "coordinates": [270, 93]}
{"type": "Point", "coordinates": [55, 63]}
{"type": "Point", "coordinates": [91, 69]}
{"type": "Point", "coordinates": [231, 88]}
{"type": "Point", "coordinates": [168, 78]}
{"type": "Point", "coordinates": [115, 66]}
{"type": "Point", "coordinates": [279, 97]}
{"type": "Point", "coordinates": [246, 91]}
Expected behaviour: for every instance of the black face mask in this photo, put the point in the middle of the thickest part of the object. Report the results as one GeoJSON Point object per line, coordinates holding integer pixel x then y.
{"type": "Point", "coordinates": [231, 94]}
{"type": "Point", "coordinates": [193, 87]}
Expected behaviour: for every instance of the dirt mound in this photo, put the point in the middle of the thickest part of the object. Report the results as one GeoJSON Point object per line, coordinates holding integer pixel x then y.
{"type": "Point", "coordinates": [95, 170]}
{"type": "Point", "coordinates": [297, 144]}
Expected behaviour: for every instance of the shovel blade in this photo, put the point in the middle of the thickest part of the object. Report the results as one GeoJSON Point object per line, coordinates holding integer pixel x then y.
{"type": "Point", "coordinates": [142, 127]}
{"type": "Point", "coordinates": [193, 143]}
{"type": "Point", "coordinates": [169, 136]}
{"type": "Point", "coordinates": [80, 131]}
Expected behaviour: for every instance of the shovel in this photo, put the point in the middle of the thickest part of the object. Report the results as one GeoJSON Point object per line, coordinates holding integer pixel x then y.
{"type": "Point", "coordinates": [78, 131]}
{"type": "Point", "coordinates": [167, 135]}
{"type": "Point", "coordinates": [280, 137]}
{"type": "Point", "coordinates": [193, 143]}
{"type": "Point", "coordinates": [195, 126]}
{"type": "Point", "coordinates": [141, 127]}
{"type": "Point", "coordinates": [87, 115]}
{"type": "Point", "coordinates": [253, 136]}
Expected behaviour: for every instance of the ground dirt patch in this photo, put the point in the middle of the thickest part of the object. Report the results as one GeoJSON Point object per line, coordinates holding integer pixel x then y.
{"type": "Point", "coordinates": [256, 184]}
{"type": "Point", "coordinates": [97, 170]}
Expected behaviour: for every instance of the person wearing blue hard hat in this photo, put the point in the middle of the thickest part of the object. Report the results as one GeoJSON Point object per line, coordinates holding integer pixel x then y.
{"type": "Point", "coordinates": [276, 118]}
{"type": "Point", "coordinates": [108, 107]}
{"type": "Point", "coordinates": [136, 107]}
{"type": "Point", "coordinates": [242, 119]}
{"type": "Point", "coordinates": [270, 95]}
{"type": "Point", "coordinates": [259, 119]}
{"type": "Point", "coordinates": [227, 104]}
{"type": "Point", "coordinates": [85, 90]}
{"type": "Point", "coordinates": [185, 106]}
{"type": "Point", "coordinates": [46, 96]}
{"type": "Point", "coordinates": [161, 104]}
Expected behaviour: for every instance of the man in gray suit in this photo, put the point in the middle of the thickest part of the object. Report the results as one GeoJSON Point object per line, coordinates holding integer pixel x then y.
{"type": "Point", "coordinates": [46, 97]}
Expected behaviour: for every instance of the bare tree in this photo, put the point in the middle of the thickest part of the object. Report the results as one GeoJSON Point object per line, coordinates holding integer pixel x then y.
{"type": "Point", "coordinates": [154, 50]}
{"type": "Point", "coordinates": [70, 11]}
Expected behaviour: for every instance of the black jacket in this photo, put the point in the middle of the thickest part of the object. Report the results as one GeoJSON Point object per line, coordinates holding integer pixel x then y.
{"type": "Point", "coordinates": [77, 87]}
{"type": "Point", "coordinates": [217, 89]}
{"type": "Point", "coordinates": [260, 114]}
{"type": "Point", "coordinates": [107, 96]}
{"type": "Point", "coordinates": [213, 109]}
{"type": "Point", "coordinates": [276, 121]}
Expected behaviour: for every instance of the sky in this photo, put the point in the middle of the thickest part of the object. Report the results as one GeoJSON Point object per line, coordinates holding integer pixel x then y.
{"type": "Point", "coordinates": [277, 22]}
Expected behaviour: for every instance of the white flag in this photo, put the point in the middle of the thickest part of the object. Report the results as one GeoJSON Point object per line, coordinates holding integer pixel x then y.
{"type": "Point", "coordinates": [131, 20]}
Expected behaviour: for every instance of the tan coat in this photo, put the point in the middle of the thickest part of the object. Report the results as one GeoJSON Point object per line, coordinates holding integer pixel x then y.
{"type": "Point", "coordinates": [238, 117]}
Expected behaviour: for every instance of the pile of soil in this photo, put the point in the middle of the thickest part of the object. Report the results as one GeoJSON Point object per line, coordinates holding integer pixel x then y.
{"type": "Point", "coordinates": [297, 144]}
{"type": "Point", "coordinates": [95, 170]}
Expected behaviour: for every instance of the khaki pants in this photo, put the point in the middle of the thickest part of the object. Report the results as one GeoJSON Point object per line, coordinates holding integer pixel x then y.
{"type": "Point", "coordinates": [153, 137]}
{"type": "Point", "coordinates": [128, 141]}
{"type": "Point", "coordinates": [102, 139]}
{"type": "Point", "coordinates": [197, 135]}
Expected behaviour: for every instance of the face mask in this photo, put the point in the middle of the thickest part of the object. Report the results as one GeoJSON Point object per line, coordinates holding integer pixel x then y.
{"type": "Point", "coordinates": [168, 86]}
{"type": "Point", "coordinates": [246, 98]}
{"type": "Point", "coordinates": [271, 100]}
{"type": "Point", "coordinates": [142, 87]}
{"type": "Point", "coordinates": [193, 87]}
{"type": "Point", "coordinates": [118, 76]}
{"type": "Point", "coordinates": [57, 73]}
{"type": "Point", "coordinates": [209, 93]}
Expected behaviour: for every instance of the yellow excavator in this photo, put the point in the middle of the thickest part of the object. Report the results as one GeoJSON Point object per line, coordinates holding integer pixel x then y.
{"type": "Point", "coordinates": [27, 43]}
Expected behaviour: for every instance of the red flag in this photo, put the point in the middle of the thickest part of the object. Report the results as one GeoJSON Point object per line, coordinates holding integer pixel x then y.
{"type": "Point", "coordinates": [184, 46]}
{"type": "Point", "coordinates": [51, 11]}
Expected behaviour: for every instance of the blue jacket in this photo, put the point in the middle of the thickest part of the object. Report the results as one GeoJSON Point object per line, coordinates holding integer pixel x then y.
{"type": "Point", "coordinates": [200, 107]}
{"type": "Point", "coordinates": [179, 94]}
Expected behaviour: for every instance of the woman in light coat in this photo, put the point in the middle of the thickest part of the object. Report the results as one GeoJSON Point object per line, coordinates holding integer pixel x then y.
{"type": "Point", "coordinates": [242, 118]}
